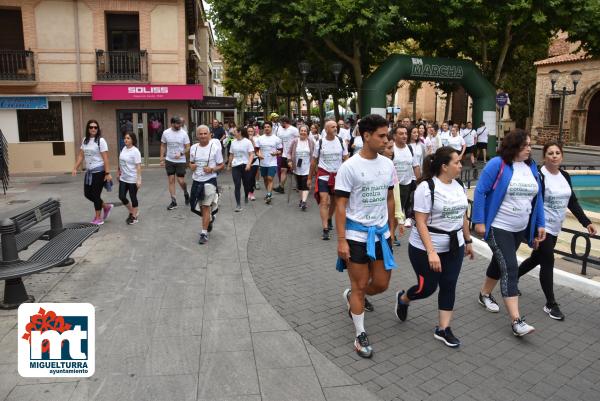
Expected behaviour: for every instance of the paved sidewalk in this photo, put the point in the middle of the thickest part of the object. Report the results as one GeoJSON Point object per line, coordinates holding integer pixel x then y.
{"type": "Point", "coordinates": [174, 320]}
{"type": "Point", "coordinates": [560, 361]}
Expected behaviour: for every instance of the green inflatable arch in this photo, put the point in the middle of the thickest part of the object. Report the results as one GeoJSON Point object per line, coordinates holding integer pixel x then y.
{"type": "Point", "coordinates": [398, 67]}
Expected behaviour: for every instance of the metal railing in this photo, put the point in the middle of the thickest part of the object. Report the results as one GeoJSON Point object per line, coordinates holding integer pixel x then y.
{"type": "Point", "coordinates": [122, 65]}
{"type": "Point", "coordinates": [17, 65]}
{"type": "Point", "coordinates": [579, 166]}
{"type": "Point", "coordinates": [584, 258]}
{"type": "Point", "coordinates": [468, 175]}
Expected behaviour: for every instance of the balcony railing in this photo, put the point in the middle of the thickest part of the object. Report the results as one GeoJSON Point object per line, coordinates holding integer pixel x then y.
{"type": "Point", "coordinates": [122, 65]}
{"type": "Point", "coordinates": [17, 65]}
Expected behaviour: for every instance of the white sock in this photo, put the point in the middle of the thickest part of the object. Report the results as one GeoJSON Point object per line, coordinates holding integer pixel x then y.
{"type": "Point", "coordinates": [205, 232]}
{"type": "Point", "coordinates": [359, 323]}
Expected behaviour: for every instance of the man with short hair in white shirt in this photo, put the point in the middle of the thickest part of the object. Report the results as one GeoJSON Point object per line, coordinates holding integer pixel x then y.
{"type": "Point", "coordinates": [287, 133]}
{"type": "Point", "coordinates": [206, 159]}
{"type": "Point", "coordinates": [329, 154]}
{"type": "Point", "coordinates": [408, 169]}
{"type": "Point", "coordinates": [268, 146]}
{"type": "Point", "coordinates": [482, 140]}
{"type": "Point", "coordinates": [344, 132]}
{"type": "Point", "coordinates": [365, 203]}
{"type": "Point", "coordinates": [469, 134]}
{"type": "Point", "coordinates": [174, 144]}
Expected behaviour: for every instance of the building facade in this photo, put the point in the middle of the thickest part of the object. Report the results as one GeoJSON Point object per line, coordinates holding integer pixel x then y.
{"type": "Point", "coordinates": [581, 118]}
{"type": "Point", "coordinates": [127, 64]}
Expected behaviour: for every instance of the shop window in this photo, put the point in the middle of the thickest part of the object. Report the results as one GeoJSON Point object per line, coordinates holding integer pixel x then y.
{"type": "Point", "coordinates": [41, 125]}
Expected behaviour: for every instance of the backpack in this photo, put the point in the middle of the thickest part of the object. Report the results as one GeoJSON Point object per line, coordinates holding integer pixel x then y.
{"type": "Point", "coordinates": [410, 212]}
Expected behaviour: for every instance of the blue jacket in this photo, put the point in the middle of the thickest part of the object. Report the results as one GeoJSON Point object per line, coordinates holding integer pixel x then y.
{"type": "Point", "coordinates": [488, 199]}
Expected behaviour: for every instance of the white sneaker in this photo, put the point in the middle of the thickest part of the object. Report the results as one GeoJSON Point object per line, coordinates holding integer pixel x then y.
{"type": "Point", "coordinates": [489, 303]}
{"type": "Point", "coordinates": [408, 223]}
{"type": "Point", "coordinates": [520, 328]}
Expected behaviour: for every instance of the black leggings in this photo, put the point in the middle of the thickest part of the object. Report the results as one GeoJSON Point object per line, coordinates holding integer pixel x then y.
{"type": "Point", "coordinates": [504, 265]}
{"type": "Point", "coordinates": [240, 175]}
{"type": "Point", "coordinates": [252, 173]}
{"type": "Point", "coordinates": [92, 192]}
{"type": "Point", "coordinates": [125, 187]}
{"type": "Point", "coordinates": [428, 280]}
{"type": "Point", "coordinates": [543, 256]}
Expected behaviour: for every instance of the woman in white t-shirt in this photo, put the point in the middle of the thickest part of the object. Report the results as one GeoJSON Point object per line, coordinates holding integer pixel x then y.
{"type": "Point", "coordinates": [253, 134]}
{"type": "Point", "coordinates": [507, 208]}
{"type": "Point", "coordinates": [130, 175]}
{"type": "Point", "coordinates": [299, 159]}
{"type": "Point", "coordinates": [439, 239]}
{"type": "Point", "coordinates": [95, 152]}
{"type": "Point", "coordinates": [457, 142]}
{"type": "Point", "coordinates": [417, 146]}
{"type": "Point", "coordinates": [558, 197]}
{"type": "Point", "coordinates": [356, 142]}
{"type": "Point", "coordinates": [241, 156]}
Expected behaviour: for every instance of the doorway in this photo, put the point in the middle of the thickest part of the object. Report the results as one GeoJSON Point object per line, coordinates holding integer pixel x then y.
{"type": "Point", "coordinates": [148, 125]}
{"type": "Point", "coordinates": [592, 130]}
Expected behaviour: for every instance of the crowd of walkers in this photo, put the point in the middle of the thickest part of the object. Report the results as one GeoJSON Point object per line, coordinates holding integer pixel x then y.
{"type": "Point", "coordinates": [376, 181]}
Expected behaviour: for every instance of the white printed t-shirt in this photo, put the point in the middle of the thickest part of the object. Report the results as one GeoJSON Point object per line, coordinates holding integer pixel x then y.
{"type": "Point", "coordinates": [332, 155]}
{"type": "Point", "coordinates": [456, 142]}
{"type": "Point", "coordinates": [468, 135]}
{"type": "Point", "coordinates": [303, 153]}
{"type": "Point", "coordinates": [368, 182]}
{"type": "Point", "coordinates": [404, 161]}
{"type": "Point", "coordinates": [344, 134]}
{"type": "Point", "coordinates": [128, 161]}
{"type": "Point", "coordinates": [514, 211]}
{"type": "Point", "coordinates": [268, 144]}
{"type": "Point", "coordinates": [287, 135]}
{"type": "Point", "coordinates": [209, 155]}
{"type": "Point", "coordinates": [358, 144]}
{"type": "Point", "coordinates": [433, 143]}
{"type": "Point", "coordinates": [444, 136]}
{"type": "Point", "coordinates": [241, 149]}
{"type": "Point", "coordinates": [92, 153]}
{"type": "Point", "coordinates": [175, 141]}
{"type": "Point", "coordinates": [557, 193]}
{"type": "Point", "coordinates": [482, 134]}
{"type": "Point", "coordinates": [449, 207]}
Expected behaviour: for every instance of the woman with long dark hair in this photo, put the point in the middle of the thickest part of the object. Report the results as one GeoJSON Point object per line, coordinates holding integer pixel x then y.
{"type": "Point", "coordinates": [507, 208]}
{"type": "Point", "coordinates": [439, 240]}
{"type": "Point", "coordinates": [558, 196]}
{"type": "Point", "coordinates": [95, 152]}
{"type": "Point", "coordinates": [299, 159]}
{"type": "Point", "coordinates": [241, 156]}
{"type": "Point", "coordinates": [130, 176]}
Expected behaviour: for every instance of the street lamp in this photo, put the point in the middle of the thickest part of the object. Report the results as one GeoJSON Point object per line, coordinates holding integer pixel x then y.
{"type": "Point", "coordinates": [554, 77]}
{"type": "Point", "coordinates": [335, 68]}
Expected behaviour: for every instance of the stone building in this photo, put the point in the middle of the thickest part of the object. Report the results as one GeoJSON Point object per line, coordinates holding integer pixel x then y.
{"type": "Point", "coordinates": [129, 64]}
{"type": "Point", "coordinates": [581, 121]}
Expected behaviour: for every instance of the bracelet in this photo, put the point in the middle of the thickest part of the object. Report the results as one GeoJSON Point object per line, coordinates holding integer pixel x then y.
{"type": "Point", "coordinates": [468, 241]}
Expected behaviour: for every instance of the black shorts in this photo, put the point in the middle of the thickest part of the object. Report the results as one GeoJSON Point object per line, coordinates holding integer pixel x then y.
{"type": "Point", "coordinates": [175, 168]}
{"type": "Point", "coordinates": [284, 162]}
{"type": "Point", "coordinates": [470, 149]}
{"type": "Point", "coordinates": [324, 187]}
{"type": "Point", "coordinates": [358, 251]}
{"type": "Point", "coordinates": [302, 182]}
{"type": "Point", "coordinates": [482, 145]}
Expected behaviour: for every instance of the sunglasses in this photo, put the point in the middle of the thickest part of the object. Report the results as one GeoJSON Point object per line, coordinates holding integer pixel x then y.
{"type": "Point", "coordinates": [93, 127]}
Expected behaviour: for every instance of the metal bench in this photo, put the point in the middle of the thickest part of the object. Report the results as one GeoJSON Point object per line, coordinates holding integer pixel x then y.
{"type": "Point", "coordinates": [19, 232]}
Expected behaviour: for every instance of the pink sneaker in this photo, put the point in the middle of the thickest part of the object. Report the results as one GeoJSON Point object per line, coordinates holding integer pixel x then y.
{"type": "Point", "coordinates": [98, 221]}
{"type": "Point", "coordinates": [107, 210]}
{"type": "Point", "coordinates": [251, 196]}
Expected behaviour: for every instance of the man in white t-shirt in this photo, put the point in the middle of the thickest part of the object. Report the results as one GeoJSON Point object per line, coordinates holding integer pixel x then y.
{"type": "Point", "coordinates": [344, 131]}
{"type": "Point", "coordinates": [444, 133]}
{"type": "Point", "coordinates": [287, 133]}
{"type": "Point", "coordinates": [408, 170]}
{"type": "Point", "coordinates": [365, 202]}
{"type": "Point", "coordinates": [174, 144]}
{"type": "Point", "coordinates": [469, 134]}
{"type": "Point", "coordinates": [329, 154]}
{"type": "Point", "coordinates": [206, 159]}
{"type": "Point", "coordinates": [482, 141]}
{"type": "Point", "coordinates": [268, 148]}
